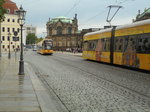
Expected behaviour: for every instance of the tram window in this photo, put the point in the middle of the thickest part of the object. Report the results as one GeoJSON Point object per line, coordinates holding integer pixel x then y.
{"type": "Point", "coordinates": [108, 44]}
{"type": "Point", "coordinates": [119, 43]}
{"type": "Point", "coordinates": [132, 43]}
{"type": "Point", "coordinates": [92, 45]}
{"type": "Point", "coordinates": [104, 44]}
{"type": "Point", "coordinates": [143, 44]}
{"type": "Point", "coordinates": [85, 45]}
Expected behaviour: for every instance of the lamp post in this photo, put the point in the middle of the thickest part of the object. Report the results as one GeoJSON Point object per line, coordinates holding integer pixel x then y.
{"type": "Point", "coordinates": [9, 55]}
{"type": "Point", "coordinates": [21, 15]}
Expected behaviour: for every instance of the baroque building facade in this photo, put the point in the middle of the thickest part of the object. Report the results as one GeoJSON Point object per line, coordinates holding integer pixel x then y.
{"type": "Point", "coordinates": [8, 26]}
{"type": "Point", "coordinates": [64, 33]}
{"type": "Point", "coordinates": [143, 16]}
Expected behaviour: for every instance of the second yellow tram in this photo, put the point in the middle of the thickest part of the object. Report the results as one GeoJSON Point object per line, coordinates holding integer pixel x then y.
{"type": "Point", "coordinates": [45, 47]}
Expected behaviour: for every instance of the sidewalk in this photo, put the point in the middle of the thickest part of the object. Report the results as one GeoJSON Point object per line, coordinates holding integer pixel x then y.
{"type": "Point", "coordinates": [16, 91]}
{"type": "Point", "coordinates": [24, 93]}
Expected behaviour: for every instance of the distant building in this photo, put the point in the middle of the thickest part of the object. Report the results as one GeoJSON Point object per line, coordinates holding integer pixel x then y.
{"type": "Point", "coordinates": [64, 33]}
{"type": "Point", "coordinates": [84, 31]}
{"type": "Point", "coordinates": [143, 16]}
{"type": "Point", "coordinates": [9, 25]}
{"type": "Point", "coordinates": [29, 29]}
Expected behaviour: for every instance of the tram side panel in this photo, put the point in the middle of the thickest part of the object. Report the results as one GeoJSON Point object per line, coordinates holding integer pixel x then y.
{"type": "Point", "coordinates": [132, 47]}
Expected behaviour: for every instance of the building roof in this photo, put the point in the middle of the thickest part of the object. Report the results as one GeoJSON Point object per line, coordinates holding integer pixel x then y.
{"type": "Point", "coordinates": [62, 19]}
{"type": "Point", "coordinates": [146, 12]}
{"type": "Point", "coordinates": [11, 6]}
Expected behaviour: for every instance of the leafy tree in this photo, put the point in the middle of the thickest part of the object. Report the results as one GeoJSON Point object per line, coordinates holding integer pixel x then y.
{"type": "Point", "coordinates": [2, 10]}
{"type": "Point", "coordinates": [39, 39]}
{"type": "Point", "coordinates": [31, 38]}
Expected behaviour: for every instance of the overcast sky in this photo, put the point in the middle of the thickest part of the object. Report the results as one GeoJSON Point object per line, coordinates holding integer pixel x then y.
{"type": "Point", "coordinates": [91, 13]}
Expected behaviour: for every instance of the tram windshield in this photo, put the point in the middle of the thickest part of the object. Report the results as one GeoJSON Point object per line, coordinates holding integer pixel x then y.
{"type": "Point", "coordinates": [47, 44]}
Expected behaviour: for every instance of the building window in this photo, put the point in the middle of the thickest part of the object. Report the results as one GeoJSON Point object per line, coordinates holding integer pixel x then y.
{"type": "Point", "coordinates": [13, 29]}
{"type": "Point", "coordinates": [8, 11]}
{"type": "Point", "coordinates": [8, 46]}
{"type": "Point", "coordinates": [28, 28]}
{"type": "Point", "coordinates": [8, 38]}
{"type": "Point", "coordinates": [3, 38]}
{"type": "Point", "coordinates": [3, 29]}
{"type": "Point", "coordinates": [18, 20]}
{"type": "Point", "coordinates": [8, 29]}
{"type": "Point", "coordinates": [69, 30]}
{"type": "Point", "coordinates": [3, 46]}
{"type": "Point", "coordinates": [13, 20]}
{"type": "Point", "coordinates": [15, 11]}
{"type": "Point", "coordinates": [59, 30]}
{"type": "Point", "coordinates": [18, 30]}
{"type": "Point", "coordinates": [8, 20]}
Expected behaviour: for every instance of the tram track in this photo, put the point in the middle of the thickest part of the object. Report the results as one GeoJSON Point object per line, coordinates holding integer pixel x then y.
{"type": "Point", "coordinates": [124, 91]}
{"type": "Point", "coordinates": [42, 77]}
{"type": "Point", "coordinates": [112, 88]}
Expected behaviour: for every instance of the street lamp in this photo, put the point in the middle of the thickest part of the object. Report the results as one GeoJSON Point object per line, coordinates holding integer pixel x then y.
{"type": "Point", "coordinates": [9, 35]}
{"type": "Point", "coordinates": [21, 15]}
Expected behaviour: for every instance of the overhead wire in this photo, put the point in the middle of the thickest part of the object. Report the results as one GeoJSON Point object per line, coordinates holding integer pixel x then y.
{"type": "Point", "coordinates": [74, 5]}
{"type": "Point", "coordinates": [123, 1]}
{"type": "Point", "coordinates": [93, 17]}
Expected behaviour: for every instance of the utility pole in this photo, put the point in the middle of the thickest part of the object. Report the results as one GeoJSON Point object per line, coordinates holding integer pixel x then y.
{"type": "Point", "coordinates": [110, 7]}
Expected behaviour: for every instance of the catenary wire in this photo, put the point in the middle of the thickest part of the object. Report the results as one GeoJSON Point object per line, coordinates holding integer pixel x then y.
{"type": "Point", "coordinates": [75, 4]}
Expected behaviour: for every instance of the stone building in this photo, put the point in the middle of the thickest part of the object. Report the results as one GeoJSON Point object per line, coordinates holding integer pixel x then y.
{"type": "Point", "coordinates": [64, 33]}
{"type": "Point", "coordinates": [143, 16]}
{"type": "Point", "coordinates": [8, 26]}
{"type": "Point", "coordinates": [28, 29]}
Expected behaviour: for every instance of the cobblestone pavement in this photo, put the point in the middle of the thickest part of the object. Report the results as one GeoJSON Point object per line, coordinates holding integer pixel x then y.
{"type": "Point", "coordinates": [86, 86]}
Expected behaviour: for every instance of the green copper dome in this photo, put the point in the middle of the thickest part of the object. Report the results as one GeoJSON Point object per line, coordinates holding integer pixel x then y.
{"type": "Point", "coordinates": [62, 19]}
{"type": "Point", "coordinates": [146, 12]}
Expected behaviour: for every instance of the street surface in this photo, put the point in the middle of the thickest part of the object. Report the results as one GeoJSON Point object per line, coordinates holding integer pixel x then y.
{"type": "Point", "coordinates": [87, 86]}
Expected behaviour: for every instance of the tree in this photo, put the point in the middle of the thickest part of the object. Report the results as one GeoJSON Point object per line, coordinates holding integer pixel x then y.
{"type": "Point", "coordinates": [39, 39]}
{"type": "Point", "coordinates": [2, 10]}
{"type": "Point", "coordinates": [31, 38]}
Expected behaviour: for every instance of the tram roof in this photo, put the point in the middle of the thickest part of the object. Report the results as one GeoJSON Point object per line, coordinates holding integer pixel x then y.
{"type": "Point", "coordinates": [43, 41]}
{"type": "Point", "coordinates": [97, 32]}
{"type": "Point", "coordinates": [139, 23]}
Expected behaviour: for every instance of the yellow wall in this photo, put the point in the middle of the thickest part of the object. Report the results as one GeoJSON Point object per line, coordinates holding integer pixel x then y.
{"type": "Point", "coordinates": [10, 25]}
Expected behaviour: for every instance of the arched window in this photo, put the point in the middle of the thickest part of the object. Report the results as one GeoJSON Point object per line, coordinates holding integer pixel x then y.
{"type": "Point", "coordinates": [69, 30]}
{"type": "Point", "coordinates": [59, 30]}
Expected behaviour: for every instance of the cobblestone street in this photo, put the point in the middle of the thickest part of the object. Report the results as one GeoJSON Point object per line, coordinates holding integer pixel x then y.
{"type": "Point", "coordinates": [86, 86]}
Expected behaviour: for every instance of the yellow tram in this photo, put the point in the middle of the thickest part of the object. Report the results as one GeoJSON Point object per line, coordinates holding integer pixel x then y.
{"type": "Point", "coordinates": [45, 47]}
{"type": "Point", "coordinates": [127, 45]}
